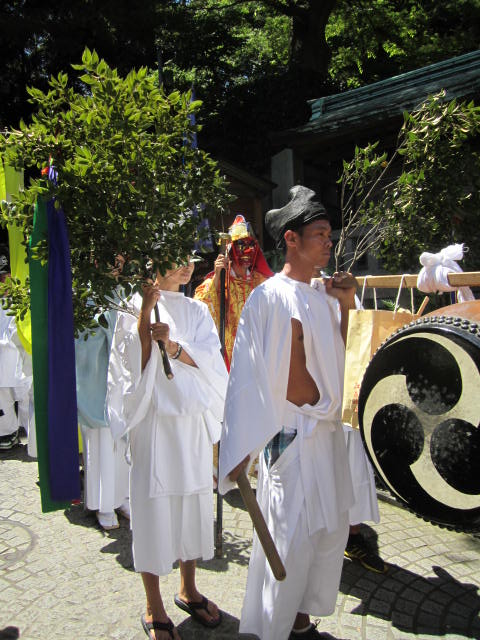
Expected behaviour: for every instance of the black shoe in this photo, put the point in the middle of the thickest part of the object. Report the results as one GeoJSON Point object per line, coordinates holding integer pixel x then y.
{"type": "Point", "coordinates": [358, 549]}
{"type": "Point", "coordinates": [310, 634]}
{"type": "Point", "coordinates": [9, 441]}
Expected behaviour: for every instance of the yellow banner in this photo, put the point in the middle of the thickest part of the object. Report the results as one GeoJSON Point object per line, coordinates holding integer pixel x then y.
{"type": "Point", "coordinates": [11, 182]}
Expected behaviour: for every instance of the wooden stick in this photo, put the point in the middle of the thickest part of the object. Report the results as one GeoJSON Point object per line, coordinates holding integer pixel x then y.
{"type": "Point", "coordinates": [276, 564]}
{"type": "Point", "coordinates": [464, 279]}
{"type": "Point", "coordinates": [224, 240]}
{"type": "Point", "coordinates": [421, 308]}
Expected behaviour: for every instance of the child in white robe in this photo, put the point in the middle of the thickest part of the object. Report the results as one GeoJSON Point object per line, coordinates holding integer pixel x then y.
{"type": "Point", "coordinates": [172, 425]}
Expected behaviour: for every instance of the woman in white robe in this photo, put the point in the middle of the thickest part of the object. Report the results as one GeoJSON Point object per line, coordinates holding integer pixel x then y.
{"type": "Point", "coordinates": [105, 465]}
{"type": "Point", "coordinates": [172, 425]}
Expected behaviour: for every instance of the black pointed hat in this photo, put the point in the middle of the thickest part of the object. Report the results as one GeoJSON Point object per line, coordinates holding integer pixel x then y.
{"type": "Point", "coordinates": [302, 208]}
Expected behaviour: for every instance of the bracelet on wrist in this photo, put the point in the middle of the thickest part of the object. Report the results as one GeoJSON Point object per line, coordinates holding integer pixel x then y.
{"type": "Point", "coordinates": [177, 353]}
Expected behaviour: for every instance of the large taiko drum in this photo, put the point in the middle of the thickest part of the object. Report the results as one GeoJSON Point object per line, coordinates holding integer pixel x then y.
{"type": "Point", "coordinates": [419, 414]}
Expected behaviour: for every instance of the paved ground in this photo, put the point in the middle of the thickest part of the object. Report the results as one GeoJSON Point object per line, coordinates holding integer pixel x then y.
{"type": "Point", "coordinates": [62, 577]}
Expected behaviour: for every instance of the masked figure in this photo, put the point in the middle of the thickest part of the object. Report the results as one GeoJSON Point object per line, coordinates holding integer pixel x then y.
{"type": "Point", "coordinates": [246, 268]}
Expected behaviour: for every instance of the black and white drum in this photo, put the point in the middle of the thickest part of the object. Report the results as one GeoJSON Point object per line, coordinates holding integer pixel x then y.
{"type": "Point", "coordinates": [419, 414]}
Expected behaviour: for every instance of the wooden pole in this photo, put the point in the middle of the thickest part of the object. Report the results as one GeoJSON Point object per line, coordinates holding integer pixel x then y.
{"type": "Point", "coordinates": [165, 359]}
{"type": "Point", "coordinates": [463, 279]}
{"type": "Point", "coordinates": [224, 240]}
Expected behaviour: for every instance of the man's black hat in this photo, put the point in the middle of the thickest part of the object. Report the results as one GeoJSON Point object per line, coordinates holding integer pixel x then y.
{"type": "Point", "coordinates": [302, 208]}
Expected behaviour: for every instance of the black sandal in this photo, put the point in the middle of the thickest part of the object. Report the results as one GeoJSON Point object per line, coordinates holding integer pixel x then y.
{"type": "Point", "coordinates": [192, 608]}
{"type": "Point", "coordinates": [159, 626]}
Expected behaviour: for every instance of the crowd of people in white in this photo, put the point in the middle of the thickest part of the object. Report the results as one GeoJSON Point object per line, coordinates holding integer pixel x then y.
{"type": "Point", "coordinates": [147, 439]}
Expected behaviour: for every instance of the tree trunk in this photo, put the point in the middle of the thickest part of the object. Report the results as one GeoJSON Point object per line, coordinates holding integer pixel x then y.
{"type": "Point", "coordinates": [309, 48]}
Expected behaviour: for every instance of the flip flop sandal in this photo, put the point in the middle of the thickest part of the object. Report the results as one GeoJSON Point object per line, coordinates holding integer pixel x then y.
{"type": "Point", "coordinates": [193, 608]}
{"type": "Point", "coordinates": [159, 626]}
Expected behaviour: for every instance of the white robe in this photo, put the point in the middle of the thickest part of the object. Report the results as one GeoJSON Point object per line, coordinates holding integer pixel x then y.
{"type": "Point", "coordinates": [172, 425]}
{"type": "Point", "coordinates": [365, 507]}
{"type": "Point", "coordinates": [106, 482]}
{"type": "Point", "coordinates": [306, 495]}
{"type": "Point", "coordinates": [26, 405]}
{"type": "Point", "coordinates": [15, 381]}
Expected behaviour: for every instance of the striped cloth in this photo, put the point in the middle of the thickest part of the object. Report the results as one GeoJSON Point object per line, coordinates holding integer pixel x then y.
{"type": "Point", "coordinates": [277, 445]}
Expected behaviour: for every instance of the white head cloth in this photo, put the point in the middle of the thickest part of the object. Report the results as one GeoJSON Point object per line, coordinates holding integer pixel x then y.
{"type": "Point", "coordinates": [433, 276]}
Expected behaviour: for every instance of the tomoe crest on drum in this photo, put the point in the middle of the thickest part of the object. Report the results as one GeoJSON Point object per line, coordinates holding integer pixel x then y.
{"type": "Point", "coordinates": [419, 414]}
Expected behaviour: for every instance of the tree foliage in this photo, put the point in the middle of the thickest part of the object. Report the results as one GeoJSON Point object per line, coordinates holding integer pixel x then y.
{"type": "Point", "coordinates": [254, 63]}
{"type": "Point", "coordinates": [238, 58]}
{"type": "Point", "coordinates": [41, 39]}
{"type": "Point", "coordinates": [426, 194]}
{"type": "Point", "coordinates": [129, 177]}
{"type": "Point", "coordinates": [361, 180]}
{"type": "Point", "coordinates": [373, 40]}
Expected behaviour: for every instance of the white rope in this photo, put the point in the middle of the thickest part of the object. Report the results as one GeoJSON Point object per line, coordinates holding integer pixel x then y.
{"type": "Point", "coordinates": [402, 280]}
{"type": "Point", "coordinates": [363, 290]}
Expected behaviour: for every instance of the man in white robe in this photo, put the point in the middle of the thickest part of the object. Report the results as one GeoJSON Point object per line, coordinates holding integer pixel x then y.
{"type": "Point", "coordinates": [15, 383]}
{"type": "Point", "coordinates": [24, 397]}
{"type": "Point", "coordinates": [172, 425]}
{"type": "Point", "coordinates": [285, 388]}
{"type": "Point", "coordinates": [12, 381]}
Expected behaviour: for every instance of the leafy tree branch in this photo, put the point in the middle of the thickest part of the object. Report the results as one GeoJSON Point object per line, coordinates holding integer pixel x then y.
{"type": "Point", "coordinates": [130, 180]}
{"type": "Point", "coordinates": [422, 196]}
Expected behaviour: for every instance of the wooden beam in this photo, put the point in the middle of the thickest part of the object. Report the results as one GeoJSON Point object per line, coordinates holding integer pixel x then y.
{"type": "Point", "coordinates": [464, 279]}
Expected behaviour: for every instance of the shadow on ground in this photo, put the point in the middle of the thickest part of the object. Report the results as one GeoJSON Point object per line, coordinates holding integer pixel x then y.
{"type": "Point", "coordinates": [235, 550]}
{"type": "Point", "coordinates": [18, 452]}
{"type": "Point", "coordinates": [415, 604]}
{"type": "Point", "coordinates": [120, 544]}
{"type": "Point", "coordinates": [234, 499]}
{"type": "Point", "coordinates": [9, 633]}
{"type": "Point", "coordinates": [227, 630]}
{"type": "Point", "coordinates": [118, 541]}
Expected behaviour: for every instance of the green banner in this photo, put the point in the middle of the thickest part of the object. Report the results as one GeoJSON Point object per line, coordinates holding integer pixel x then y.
{"type": "Point", "coordinates": [39, 315]}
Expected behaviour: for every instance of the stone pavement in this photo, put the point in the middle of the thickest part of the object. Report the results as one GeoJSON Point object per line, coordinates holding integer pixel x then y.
{"type": "Point", "coordinates": [62, 577]}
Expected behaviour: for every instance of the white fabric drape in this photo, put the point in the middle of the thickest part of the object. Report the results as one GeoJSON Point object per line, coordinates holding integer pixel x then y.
{"type": "Point", "coordinates": [433, 276]}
